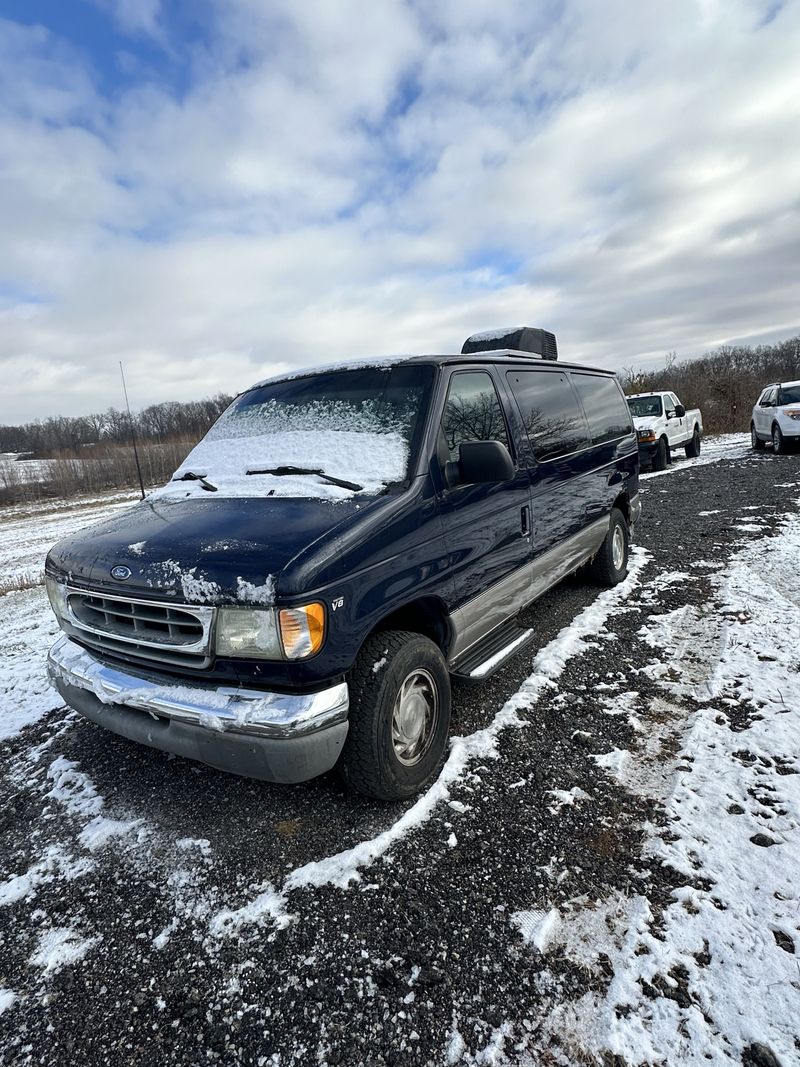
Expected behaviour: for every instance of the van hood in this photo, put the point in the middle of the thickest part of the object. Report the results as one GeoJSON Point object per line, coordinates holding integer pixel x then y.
{"type": "Point", "coordinates": [208, 551]}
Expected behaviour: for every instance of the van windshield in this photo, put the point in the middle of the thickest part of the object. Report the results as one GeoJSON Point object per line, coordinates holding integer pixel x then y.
{"type": "Point", "coordinates": [642, 406]}
{"type": "Point", "coordinates": [326, 435]}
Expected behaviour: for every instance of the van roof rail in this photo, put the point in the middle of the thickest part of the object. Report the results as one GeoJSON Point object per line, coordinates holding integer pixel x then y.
{"type": "Point", "coordinates": [527, 340]}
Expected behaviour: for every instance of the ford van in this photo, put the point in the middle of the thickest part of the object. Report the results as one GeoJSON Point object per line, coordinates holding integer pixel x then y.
{"type": "Point", "coordinates": [342, 543]}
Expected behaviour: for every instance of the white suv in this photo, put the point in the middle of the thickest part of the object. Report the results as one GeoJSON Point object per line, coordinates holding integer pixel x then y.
{"type": "Point", "coordinates": [776, 416]}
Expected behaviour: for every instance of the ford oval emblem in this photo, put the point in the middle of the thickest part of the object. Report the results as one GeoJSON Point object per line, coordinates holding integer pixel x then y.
{"type": "Point", "coordinates": [120, 573]}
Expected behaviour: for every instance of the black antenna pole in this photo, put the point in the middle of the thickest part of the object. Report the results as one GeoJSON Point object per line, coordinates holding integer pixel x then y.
{"type": "Point", "coordinates": [133, 432]}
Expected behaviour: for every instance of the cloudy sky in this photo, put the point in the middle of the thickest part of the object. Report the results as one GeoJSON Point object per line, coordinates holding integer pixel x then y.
{"type": "Point", "coordinates": [215, 190]}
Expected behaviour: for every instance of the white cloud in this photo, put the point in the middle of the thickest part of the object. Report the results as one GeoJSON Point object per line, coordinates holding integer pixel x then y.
{"type": "Point", "coordinates": [344, 179]}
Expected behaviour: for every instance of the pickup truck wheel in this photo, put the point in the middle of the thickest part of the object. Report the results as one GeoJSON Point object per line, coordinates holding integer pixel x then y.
{"type": "Point", "coordinates": [399, 716]}
{"type": "Point", "coordinates": [755, 440]}
{"type": "Point", "coordinates": [692, 450]}
{"type": "Point", "coordinates": [661, 458]}
{"type": "Point", "coordinates": [777, 440]}
{"type": "Point", "coordinates": [610, 565]}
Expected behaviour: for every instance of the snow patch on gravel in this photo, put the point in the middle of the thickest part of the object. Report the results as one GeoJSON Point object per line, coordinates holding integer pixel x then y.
{"type": "Point", "coordinates": [54, 864]}
{"type": "Point", "coordinates": [538, 928]}
{"type": "Point", "coordinates": [76, 792]}
{"type": "Point", "coordinates": [60, 947]}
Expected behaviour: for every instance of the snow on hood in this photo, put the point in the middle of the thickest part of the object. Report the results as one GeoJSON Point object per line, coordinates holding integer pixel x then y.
{"type": "Point", "coordinates": [369, 459]}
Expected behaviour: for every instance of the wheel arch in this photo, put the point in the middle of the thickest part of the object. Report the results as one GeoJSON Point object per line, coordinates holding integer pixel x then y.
{"type": "Point", "coordinates": [425, 615]}
{"type": "Point", "coordinates": [623, 504]}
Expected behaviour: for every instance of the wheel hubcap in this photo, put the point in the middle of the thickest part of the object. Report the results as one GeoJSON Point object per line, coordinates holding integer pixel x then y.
{"type": "Point", "coordinates": [618, 548]}
{"type": "Point", "coordinates": [414, 718]}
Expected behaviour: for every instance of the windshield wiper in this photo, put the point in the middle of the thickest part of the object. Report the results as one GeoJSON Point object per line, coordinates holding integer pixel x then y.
{"type": "Point", "coordinates": [284, 471]}
{"type": "Point", "coordinates": [190, 476]}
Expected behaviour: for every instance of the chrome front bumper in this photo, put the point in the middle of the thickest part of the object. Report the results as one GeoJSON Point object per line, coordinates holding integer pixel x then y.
{"type": "Point", "coordinates": [214, 708]}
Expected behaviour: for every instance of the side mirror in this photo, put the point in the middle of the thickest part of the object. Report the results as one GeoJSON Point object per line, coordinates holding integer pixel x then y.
{"type": "Point", "coordinates": [672, 414]}
{"type": "Point", "coordinates": [766, 404]}
{"type": "Point", "coordinates": [680, 410]}
{"type": "Point", "coordinates": [484, 461]}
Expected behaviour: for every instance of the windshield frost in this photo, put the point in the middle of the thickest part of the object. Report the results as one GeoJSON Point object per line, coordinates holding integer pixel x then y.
{"type": "Point", "coordinates": [298, 437]}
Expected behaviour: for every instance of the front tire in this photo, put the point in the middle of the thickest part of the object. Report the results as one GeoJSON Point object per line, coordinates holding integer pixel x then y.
{"type": "Point", "coordinates": [692, 450]}
{"type": "Point", "coordinates": [755, 440]}
{"type": "Point", "coordinates": [399, 716]}
{"type": "Point", "coordinates": [610, 565]}
{"type": "Point", "coordinates": [778, 445]}
{"type": "Point", "coordinates": [661, 458]}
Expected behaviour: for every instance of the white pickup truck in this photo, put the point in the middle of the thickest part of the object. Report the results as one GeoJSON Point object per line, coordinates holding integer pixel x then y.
{"type": "Point", "coordinates": [662, 425]}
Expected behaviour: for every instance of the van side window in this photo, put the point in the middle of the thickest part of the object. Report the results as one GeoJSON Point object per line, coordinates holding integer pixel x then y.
{"type": "Point", "coordinates": [605, 407]}
{"type": "Point", "coordinates": [550, 410]}
{"type": "Point", "coordinates": [472, 412]}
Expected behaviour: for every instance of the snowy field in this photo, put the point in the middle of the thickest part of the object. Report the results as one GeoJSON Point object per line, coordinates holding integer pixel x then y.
{"type": "Point", "coordinates": [607, 866]}
{"type": "Point", "coordinates": [22, 471]}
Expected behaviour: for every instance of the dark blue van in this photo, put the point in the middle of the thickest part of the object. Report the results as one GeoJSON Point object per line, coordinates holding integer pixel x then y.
{"type": "Point", "coordinates": [340, 544]}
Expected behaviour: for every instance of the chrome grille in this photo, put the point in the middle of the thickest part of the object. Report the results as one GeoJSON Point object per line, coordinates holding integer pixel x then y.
{"type": "Point", "coordinates": [178, 634]}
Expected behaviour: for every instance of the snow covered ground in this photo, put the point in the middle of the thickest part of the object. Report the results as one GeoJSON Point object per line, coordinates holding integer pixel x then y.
{"type": "Point", "coordinates": [28, 624]}
{"type": "Point", "coordinates": [714, 449]}
{"type": "Point", "coordinates": [607, 866]}
{"type": "Point", "coordinates": [724, 951]}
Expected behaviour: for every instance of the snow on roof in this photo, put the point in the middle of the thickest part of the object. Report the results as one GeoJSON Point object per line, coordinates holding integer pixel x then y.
{"type": "Point", "coordinates": [359, 363]}
{"type": "Point", "coordinates": [495, 335]}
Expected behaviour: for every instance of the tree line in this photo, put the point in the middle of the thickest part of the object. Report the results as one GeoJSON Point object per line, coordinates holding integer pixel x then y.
{"type": "Point", "coordinates": [156, 424]}
{"type": "Point", "coordinates": [724, 384]}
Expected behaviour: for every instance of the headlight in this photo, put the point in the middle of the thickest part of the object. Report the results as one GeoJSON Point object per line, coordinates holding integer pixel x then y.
{"type": "Point", "coordinates": [646, 435]}
{"type": "Point", "coordinates": [57, 595]}
{"type": "Point", "coordinates": [258, 633]}
{"type": "Point", "coordinates": [302, 630]}
{"type": "Point", "coordinates": [792, 413]}
{"type": "Point", "coordinates": [247, 632]}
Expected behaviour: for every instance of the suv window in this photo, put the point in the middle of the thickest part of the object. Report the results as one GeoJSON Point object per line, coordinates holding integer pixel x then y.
{"type": "Point", "coordinates": [604, 405]}
{"type": "Point", "coordinates": [550, 411]}
{"type": "Point", "coordinates": [768, 397]}
{"type": "Point", "coordinates": [472, 411]}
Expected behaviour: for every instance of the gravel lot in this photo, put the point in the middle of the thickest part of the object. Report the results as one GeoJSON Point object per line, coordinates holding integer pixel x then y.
{"type": "Point", "coordinates": [156, 911]}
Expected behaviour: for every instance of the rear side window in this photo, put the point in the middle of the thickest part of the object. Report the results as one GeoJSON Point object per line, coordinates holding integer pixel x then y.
{"type": "Point", "coordinates": [605, 407]}
{"type": "Point", "coordinates": [550, 410]}
{"type": "Point", "coordinates": [472, 412]}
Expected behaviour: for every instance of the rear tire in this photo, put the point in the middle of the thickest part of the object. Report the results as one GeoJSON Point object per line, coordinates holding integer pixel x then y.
{"type": "Point", "coordinates": [399, 716]}
{"type": "Point", "coordinates": [755, 440]}
{"type": "Point", "coordinates": [778, 445]}
{"type": "Point", "coordinates": [661, 457]}
{"type": "Point", "coordinates": [692, 450]}
{"type": "Point", "coordinates": [610, 565]}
